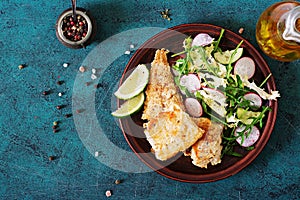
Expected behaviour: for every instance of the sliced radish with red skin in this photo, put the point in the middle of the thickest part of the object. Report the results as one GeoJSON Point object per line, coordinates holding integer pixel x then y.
{"type": "Point", "coordinates": [251, 139]}
{"type": "Point", "coordinates": [193, 107]}
{"type": "Point", "coordinates": [191, 82]}
{"type": "Point", "coordinates": [202, 39]}
{"type": "Point", "coordinates": [245, 66]}
{"type": "Point", "coordinates": [254, 99]}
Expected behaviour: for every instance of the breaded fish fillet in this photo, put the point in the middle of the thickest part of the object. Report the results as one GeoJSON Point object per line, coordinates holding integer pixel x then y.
{"type": "Point", "coordinates": [161, 90]}
{"type": "Point", "coordinates": [208, 149]}
{"type": "Point", "coordinates": [172, 132]}
{"type": "Point", "coordinates": [170, 129]}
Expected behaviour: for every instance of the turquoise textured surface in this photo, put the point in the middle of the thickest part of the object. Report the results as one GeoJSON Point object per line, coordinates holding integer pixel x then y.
{"type": "Point", "coordinates": [28, 37]}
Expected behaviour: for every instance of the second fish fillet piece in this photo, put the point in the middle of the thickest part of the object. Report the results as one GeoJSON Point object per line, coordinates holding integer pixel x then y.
{"type": "Point", "coordinates": [169, 129]}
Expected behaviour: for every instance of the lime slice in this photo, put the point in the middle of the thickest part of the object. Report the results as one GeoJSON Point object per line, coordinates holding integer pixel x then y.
{"type": "Point", "coordinates": [130, 106]}
{"type": "Point", "coordinates": [134, 84]}
{"type": "Point", "coordinates": [224, 57]}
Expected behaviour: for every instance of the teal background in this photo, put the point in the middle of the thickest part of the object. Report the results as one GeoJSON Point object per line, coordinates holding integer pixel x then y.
{"type": "Point", "coordinates": [27, 37]}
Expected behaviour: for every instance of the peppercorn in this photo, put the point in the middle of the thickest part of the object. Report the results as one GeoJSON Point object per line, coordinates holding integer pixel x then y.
{"type": "Point", "coordinates": [52, 158]}
{"type": "Point", "coordinates": [82, 69]}
{"type": "Point", "coordinates": [241, 30]}
{"type": "Point", "coordinates": [59, 82]}
{"type": "Point", "coordinates": [70, 24]}
{"type": "Point", "coordinates": [59, 107]}
{"type": "Point", "coordinates": [45, 92]}
{"type": "Point", "coordinates": [21, 66]}
{"type": "Point", "coordinates": [117, 181]}
{"type": "Point", "coordinates": [55, 130]}
{"type": "Point", "coordinates": [68, 115]}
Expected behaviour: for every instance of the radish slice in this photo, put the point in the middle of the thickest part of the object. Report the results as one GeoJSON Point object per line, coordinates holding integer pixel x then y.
{"type": "Point", "coordinates": [254, 99]}
{"type": "Point", "coordinates": [191, 82]}
{"type": "Point", "coordinates": [251, 139]}
{"type": "Point", "coordinates": [245, 67]}
{"type": "Point", "coordinates": [193, 107]}
{"type": "Point", "coordinates": [202, 39]}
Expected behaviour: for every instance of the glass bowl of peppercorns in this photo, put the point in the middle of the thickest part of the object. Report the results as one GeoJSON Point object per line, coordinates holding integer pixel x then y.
{"type": "Point", "coordinates": [75, 31]}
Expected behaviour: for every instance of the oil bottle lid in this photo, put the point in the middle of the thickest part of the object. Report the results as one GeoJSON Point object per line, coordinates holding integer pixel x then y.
{"type": "Point", "coordinates": [291, 32]}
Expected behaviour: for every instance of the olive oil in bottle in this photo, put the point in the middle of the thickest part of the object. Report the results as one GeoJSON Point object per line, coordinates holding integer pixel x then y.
{"type": "Point", "coordinates": [278, 31]}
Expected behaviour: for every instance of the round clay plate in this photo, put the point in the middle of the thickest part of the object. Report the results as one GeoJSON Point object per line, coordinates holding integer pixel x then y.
{"type": "Point", "coordinates": [181, 168]}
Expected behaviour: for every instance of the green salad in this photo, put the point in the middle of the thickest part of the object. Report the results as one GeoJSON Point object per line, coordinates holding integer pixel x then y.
{"type": "Point", "coordinates": [222, 83]}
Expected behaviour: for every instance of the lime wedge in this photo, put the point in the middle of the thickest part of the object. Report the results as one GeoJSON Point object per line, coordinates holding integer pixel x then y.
{"type": "Point", "coordinates": [134, 84]}
{"type": "Point", "coordinates": [224, 57]}
{"type": "Point", "coordinates": [130, 106]}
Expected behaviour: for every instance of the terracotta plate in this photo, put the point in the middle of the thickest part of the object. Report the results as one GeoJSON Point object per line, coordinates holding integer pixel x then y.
{"type": "Point", "coordinates": [181, 167]}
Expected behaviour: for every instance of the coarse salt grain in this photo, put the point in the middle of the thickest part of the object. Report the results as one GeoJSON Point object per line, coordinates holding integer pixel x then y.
{"type": "Point", "coordinates": [108, 193]}
{"type": "Point", "coordinates": [96, 154]}
{"type": "Point", "coordinates": [66, 65]}
{"type": "Point", "coordinates": [94, 71]}
{"type": "Point", "coordinates": [82, 69]}
{"type": "Point", "coordinates": [131, 46]}
{"type": "Point", "coordinates": [127, 52]}
{"type": "Point", "coordinates": [93, 76]}
{"type": "Point", "coordinates": [60, 94]}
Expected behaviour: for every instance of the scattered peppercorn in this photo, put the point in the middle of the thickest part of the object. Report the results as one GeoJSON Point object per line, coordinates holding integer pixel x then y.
{"type": "Point", "coordinates": [68, 115]}
{"type": "Point", "coordinates": [87, 83]}
{"type": "Point", "coordinates": [241, 30]}
{"type": "Point", "coordinates": [117, 181]}
{"type": "Point", "coordinates": [21, 66]}
{"type": "Point", "coordinates": [59, 107]}
{"type": "Point", "coordinates": [54, 127]}
{"type": "Point", "coordinates": [59, 82]}
{"type": "Point", "coordinates": [52, 158]}
{"type": "Point", "coordinates": [97, 85]}
{"type": "Point", "coordinates": [82, 69]}
{"type": "Point", "coordinates": [55, 130]}
{"type": "Point", "coordinates": [45, 92]}
{"type": "Point", "coordinates": [78, 111]}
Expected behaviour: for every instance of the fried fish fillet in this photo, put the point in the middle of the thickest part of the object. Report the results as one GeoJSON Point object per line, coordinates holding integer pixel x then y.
{"type": "Point", "coordinates": [172, 132]}
{"type": "Point", "coordinates": [161, 92]}
{"type": "Point", "coordinates": [207, 149]}
{"type": "Point", "coordinates": [169, 129]}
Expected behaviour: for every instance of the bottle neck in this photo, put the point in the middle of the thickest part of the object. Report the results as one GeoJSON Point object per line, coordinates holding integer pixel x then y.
{"type": "Point", "coordinates": [292, 24]}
